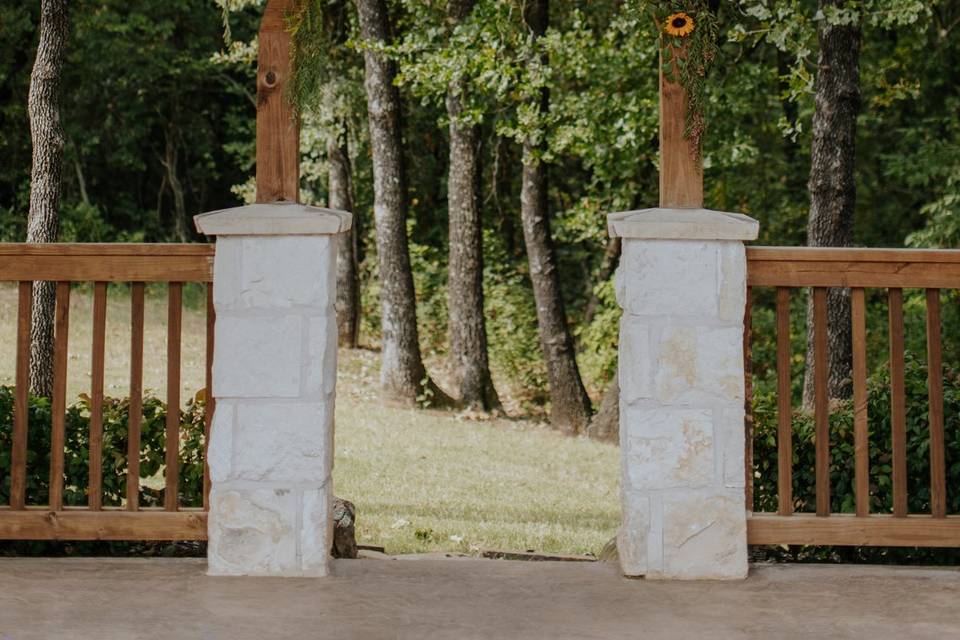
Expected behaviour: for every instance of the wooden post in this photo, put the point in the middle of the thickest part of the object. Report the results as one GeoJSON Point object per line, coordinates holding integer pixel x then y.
{"type": "Point", "coordinates": [681, 168]}
{"type": "Point", "coordinates": [278, 128]}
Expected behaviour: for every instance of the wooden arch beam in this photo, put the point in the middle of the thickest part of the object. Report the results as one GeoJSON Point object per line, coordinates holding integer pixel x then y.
{"type": "Point", "coordinates": [278, 127]}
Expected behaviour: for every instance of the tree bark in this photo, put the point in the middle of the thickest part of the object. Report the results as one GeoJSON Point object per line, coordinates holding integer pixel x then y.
{"type": "Point", "coordinates": [170, 161]}
{"type": "Point", "coordinates": [569, 403]}
{"type": "Point", "coordinates": [605, 426]}
{"type": "Point", "coordinates": [348, 258]}
{"type": "Point", "coordinates": [402, 374]}
{"type": "Point", "coordinates": [46, 180]}
{"type": "Point", "coordinates": [468, 329]}
{"type": "Point", "coordinates": [833, 188]}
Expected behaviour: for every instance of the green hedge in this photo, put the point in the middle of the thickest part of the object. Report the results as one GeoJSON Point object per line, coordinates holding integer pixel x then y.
{"type": "Point", "coordinates": [842, 477]}
{"type": "Point", "coordinates": [115, 415]}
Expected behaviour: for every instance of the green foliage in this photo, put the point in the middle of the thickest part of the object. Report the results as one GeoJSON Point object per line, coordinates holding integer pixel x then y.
{"type": "Point", "coordinates": [688, 56]}
{"type": "Point", "coordinates": [328, 72]}
{"type": "Point", "coordinates": [430, 282]}
{"type": "Point", "coordinates": [599, 63]}
{"type": "Point", "coordinates": [76, 451]}
{"type": "Point", "coordinates": [17, 23]}
{"type": "Point", "coordinates": [140, 92]}
{"type": "Point", "coordinates": [842, 453]}
{"type": "Point", "coordinates": [907, 133]}
{"type": "Point", "coordinates": [485, 56]}
{"type": "Point", "coordinates": [141, 72]}
{"type": "Point", "coordinates": [370, 301]}
{"type": "Point", "coordinates": [842, 458]}
{"type": "Point", "coordinates": [763, 347]}
{"type": "Point", "coordinates": [511, 314]}
{"type": "Point", "coordinates": [599, 340]}
{"type": "Point", "coordinates": [763, 358]}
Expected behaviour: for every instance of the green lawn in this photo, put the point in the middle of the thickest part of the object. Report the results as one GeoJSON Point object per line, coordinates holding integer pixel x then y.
{"type": "Point", "coordinates": [428, 481]}
{"type": "Point", "coordinates": [421, 480]}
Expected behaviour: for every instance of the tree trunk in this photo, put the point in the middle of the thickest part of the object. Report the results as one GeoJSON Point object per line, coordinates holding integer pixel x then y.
{"type": "Point", "coordinates": [46, 180]}
{"type": "Point", "coordinates": [833, 189]}
{"type": "Point", "coordinates": [570, 405]}
{"type": "Point", "coordinates": [402, 374]}
{"type": "Point", "coordinates": [348, 258]}
{"type": "Point", "coordinates": [605, 426]}
{"type": "Point", "coordinates": [169, 162]}
{"type": "Point", "coordinates": [78, 170]}
{"type": "Point", "coordinates": [468, 329]}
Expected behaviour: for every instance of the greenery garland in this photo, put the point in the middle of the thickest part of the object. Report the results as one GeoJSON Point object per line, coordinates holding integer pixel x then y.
{"type": "Point", "coordinates": [689, 32]}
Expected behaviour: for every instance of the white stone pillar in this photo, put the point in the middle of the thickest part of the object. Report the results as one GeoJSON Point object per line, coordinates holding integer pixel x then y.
{"type": "Point", "coordinates": [682, 287]}
{"type": "Point", "coordinates": [274, 374]}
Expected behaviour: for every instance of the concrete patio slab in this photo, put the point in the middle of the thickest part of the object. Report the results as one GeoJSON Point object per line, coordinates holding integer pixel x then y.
{"type": "Point", "coordinates": [467, 598]}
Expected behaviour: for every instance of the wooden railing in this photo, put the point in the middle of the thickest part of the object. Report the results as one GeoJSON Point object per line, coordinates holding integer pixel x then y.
{"type": "Point", "coordinates": [101, 264]}
{"type": "Point", "coordinates": [856, 269]}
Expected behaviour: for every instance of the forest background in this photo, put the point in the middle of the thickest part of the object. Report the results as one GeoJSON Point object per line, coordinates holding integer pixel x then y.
{"type": "Point", "coordinates": [158, 103]}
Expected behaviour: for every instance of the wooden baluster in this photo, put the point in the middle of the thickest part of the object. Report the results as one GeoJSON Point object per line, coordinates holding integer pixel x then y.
{"type": "Point", "coordinates": [136, 396]}
{"type": "Point", "coordinates": [898, 403]}
{"type": "Point", "coordinates": [58, 404]}
{"type": "Point", "coordinates": [748, 401]}
{"type": "Point", "coordinates": [861, 446]}
{"type": "Point", "coordinates": [210, 405]}
{"type": "Point", "coordinates": [821, 369]}
{"type": "Point", "coordinates": [95, 497]}
{"type": "Point", "coordinates": [784, 406]}
{"type": "Point", "coordinates": [938, 469]}
{"type": "Point", "coordinates": [174, 317]}
{"type": "Point", "coordinates": [18, 454]}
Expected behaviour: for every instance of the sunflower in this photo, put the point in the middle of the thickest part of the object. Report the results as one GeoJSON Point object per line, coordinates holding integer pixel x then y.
{"type": "Point", "coordinates": [679, 24]}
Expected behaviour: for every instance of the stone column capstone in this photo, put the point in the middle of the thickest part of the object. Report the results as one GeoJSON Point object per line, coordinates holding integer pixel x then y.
{"type": "Point", "coordinates": [682, 286]}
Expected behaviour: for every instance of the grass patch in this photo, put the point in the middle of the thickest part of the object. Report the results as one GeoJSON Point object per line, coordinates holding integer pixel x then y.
{"type": "Point", "coordinates": [426, 481]}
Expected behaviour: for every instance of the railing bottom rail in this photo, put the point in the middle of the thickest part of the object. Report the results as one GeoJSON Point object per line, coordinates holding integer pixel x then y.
{"type": "Point", "coordinates": [850, 530]}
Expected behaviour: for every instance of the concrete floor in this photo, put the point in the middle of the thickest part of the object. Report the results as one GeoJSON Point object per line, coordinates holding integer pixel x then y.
{"type": "Point", "coordinates": [436, 598]}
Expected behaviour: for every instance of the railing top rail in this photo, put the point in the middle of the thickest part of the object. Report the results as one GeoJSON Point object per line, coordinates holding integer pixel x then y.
{"type": "Point", "coordinates": [104, 249]}
{"type": "Point", "coordinates": [845, 254]}
{"type": "Point", "coordinates": [118, 262]}
{"type": "Point", "coordinates": [842, 267]}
